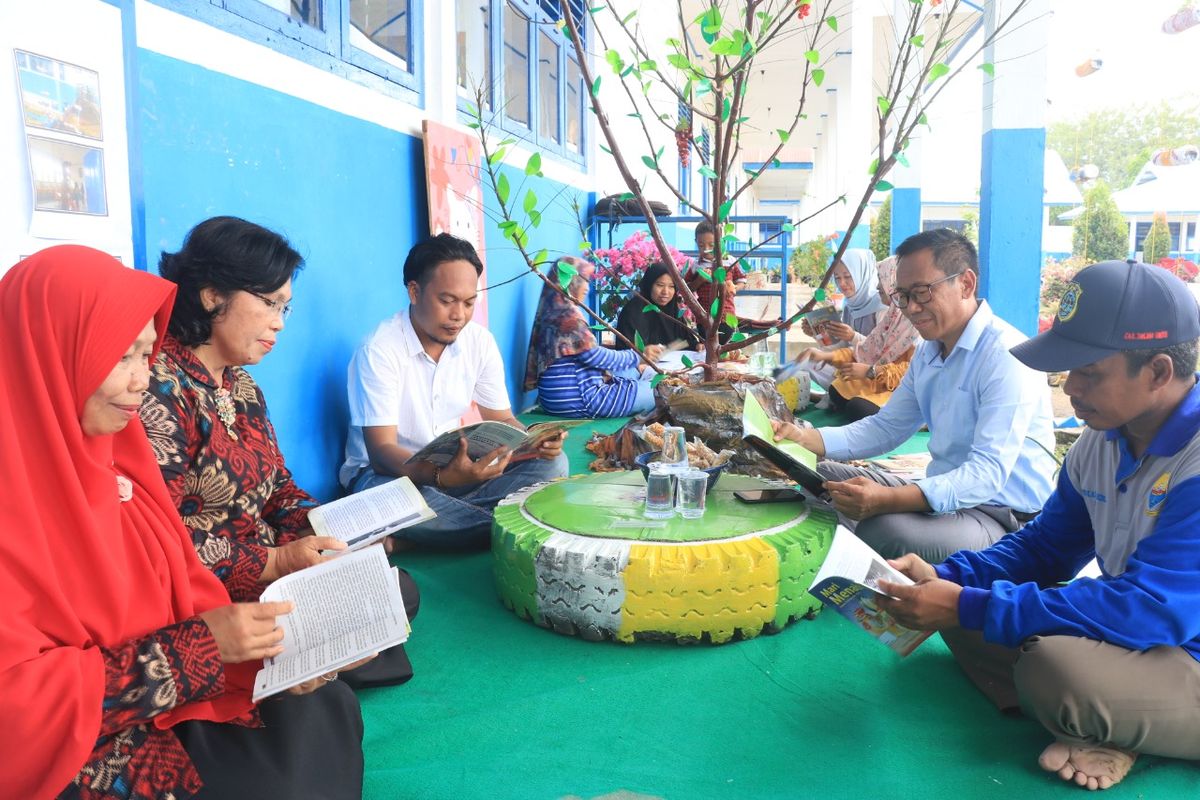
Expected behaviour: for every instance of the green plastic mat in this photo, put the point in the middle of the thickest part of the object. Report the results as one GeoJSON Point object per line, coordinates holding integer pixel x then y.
{"type": "Point", "coordinates": [609, 504]}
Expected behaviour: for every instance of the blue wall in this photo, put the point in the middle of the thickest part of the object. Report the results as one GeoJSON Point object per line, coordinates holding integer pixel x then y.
{"type": "Point", "coordinates": [906, 215]}
{"type": "Point", "coordinates": [350, 195]}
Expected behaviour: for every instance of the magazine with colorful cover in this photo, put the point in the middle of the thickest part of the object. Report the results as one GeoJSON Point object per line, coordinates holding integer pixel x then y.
{"type": "Point", "coordinates": [849, 582]}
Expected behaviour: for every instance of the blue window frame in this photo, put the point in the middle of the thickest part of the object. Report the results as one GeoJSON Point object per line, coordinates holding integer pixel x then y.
{"type": "Point", "coordinates": [372, 42]}
{"type": "Point", "coordinates": [532, 86]}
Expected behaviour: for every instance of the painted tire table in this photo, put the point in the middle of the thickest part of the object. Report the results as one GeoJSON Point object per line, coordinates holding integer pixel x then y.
{"type": "Point", "coordinates": [577, 556]}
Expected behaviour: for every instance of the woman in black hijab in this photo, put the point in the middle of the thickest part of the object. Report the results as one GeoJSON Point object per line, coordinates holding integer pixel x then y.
{"type": "Point", "coordinates": [655, 327]}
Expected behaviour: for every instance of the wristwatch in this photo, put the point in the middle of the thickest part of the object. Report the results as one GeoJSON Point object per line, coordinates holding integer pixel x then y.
{"type": "Point", "coordinates": [871, 372]}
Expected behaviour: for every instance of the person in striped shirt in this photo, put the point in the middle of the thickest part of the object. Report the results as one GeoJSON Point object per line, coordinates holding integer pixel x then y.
{"type": "Point", "coordinates": [575, 376]}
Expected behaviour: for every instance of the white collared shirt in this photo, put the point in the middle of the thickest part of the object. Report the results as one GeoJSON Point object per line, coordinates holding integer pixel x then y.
{"type": "Point", "coordinates": [393, 381]}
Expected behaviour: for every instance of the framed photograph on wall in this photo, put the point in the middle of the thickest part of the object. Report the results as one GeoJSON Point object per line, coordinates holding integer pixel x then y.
{"type": "Point", "coordinates": [67, 177]}
{"type": "Point", "coordinates": [58, 96]}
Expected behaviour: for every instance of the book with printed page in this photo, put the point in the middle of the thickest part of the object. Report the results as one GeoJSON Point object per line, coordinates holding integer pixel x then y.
{"type": "Point", "coordinates": [797, 462]}
{"type": "Point", "coordinates": [849, 582]}
{"type": "Point", "coordinates": [817, 318]}
{"type": "Point", "coordinates": [484, 437]}
{"type": "Point", "coordinates": [363, 518]}
{"type": "Point", "coordinates": [345, 609]}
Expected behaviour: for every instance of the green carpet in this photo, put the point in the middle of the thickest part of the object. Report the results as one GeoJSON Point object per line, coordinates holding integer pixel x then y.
{"type": "Point", "coordinates": [503, 710]}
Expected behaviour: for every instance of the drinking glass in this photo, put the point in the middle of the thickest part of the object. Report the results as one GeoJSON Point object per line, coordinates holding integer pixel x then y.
{"type": "Point", "coordinates": [660, 491]}
{"type": "Point", "coordinates": [674, 447]}
{"type": "Point", "coordinates": [693, 486]}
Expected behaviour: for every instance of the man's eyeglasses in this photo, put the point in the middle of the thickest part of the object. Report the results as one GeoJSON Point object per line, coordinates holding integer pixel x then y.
{"type": "Point", "coordinates": [284, 310]}
{"type": "Point", "coordinates": [922, 292]}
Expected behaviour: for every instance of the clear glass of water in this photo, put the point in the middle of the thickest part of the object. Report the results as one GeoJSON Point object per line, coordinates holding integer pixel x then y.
{"type": "Point", "coordinates": [660, 491]}
{"type": "Point", "coordinates": [674, 447]}
{"type": "Point", "coordinates": [692, 492]}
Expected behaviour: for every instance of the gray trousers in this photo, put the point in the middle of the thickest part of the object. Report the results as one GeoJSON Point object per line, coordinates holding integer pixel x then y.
{"type": "Point", "coordinates": [933, 537]}
{"type": "Point", "coordinates": [1091, 693]}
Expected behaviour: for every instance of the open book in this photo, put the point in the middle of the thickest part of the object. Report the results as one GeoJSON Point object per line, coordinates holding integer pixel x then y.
{"type": "Point", "coordinates": [366, 517]}
{"type": "Point", "coordinates": [849, 581]}
{"type": "Point", "coordinates": [817, 319]}
{"type": "Point", "coordinates": [484, 437]}
{"type": "Point", "coordinates": [346, 609]}
{"type": "Point", "coordinates": [796, 461]}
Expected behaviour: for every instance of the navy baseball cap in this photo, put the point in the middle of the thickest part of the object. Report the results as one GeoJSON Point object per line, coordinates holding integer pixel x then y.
{"type": "Point", "coordinates": [1111, 307]}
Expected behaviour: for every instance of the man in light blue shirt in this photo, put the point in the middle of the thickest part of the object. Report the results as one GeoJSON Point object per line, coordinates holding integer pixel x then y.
{"type": "Point", "coordinates": [989, 418]}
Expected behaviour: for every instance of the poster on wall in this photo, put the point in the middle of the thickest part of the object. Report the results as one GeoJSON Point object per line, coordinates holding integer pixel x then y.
{"type": "Point", "coordinates": [57, 96]}
{"type": "Point", "coordinates": [455, 193]}
{"type": "Point", "coordinates": [67, 176]}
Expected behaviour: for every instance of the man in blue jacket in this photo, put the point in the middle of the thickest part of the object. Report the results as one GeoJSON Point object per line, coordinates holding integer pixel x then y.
{"type": "Point", "coordinates": [1109, 665]}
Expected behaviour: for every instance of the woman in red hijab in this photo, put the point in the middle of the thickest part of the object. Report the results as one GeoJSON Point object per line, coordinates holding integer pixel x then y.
{"type": "Point", "coordinates": [116, 636]}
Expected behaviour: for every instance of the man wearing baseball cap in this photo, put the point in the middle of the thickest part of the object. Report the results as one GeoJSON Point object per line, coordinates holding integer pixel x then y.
{"type": "Point", "coordinates": [1108, 664]}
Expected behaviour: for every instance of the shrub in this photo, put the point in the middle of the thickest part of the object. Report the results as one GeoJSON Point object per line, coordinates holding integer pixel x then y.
{"type": "Point", "coordinates": [1157, 244]}
{"type": "Point", "coordinates": [810, 260]}
{"type": "Point", "coordinates": [1101, 233]}
{"type": "Point", "coordinates": [881, 230]}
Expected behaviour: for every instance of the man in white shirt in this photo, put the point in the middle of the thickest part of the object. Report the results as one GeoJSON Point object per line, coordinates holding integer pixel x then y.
{"type": "Point", "coordinates": [414, 378]}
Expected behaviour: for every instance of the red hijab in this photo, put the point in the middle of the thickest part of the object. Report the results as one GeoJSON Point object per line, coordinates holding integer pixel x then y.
{"type": "Point", "coordinates": [78, 568]}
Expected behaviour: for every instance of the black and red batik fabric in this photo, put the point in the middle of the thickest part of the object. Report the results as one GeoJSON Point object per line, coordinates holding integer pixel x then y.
{"type": "Point", "coordinates": [219, 455]}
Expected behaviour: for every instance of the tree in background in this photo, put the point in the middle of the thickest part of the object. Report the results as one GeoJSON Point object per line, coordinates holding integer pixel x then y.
{"type": "Point", "coordinates": [971, 226]}
{"type": "Point", "coordinates": [1157, 244]}
{"type": "Point", "coordinates": [1121, 140]}
{"type": "Point", "coordinates": [810, 260]}
{"type": "Point", "coordinates": [1101, 233]}
{"type": "Point", "coordinates": [881, 230]}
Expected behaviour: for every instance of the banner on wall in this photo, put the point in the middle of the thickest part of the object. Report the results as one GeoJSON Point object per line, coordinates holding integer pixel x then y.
{"type": "Point", "coordinates": [452, 183]}
{"type": "Point", "coordinates": [64, 135]}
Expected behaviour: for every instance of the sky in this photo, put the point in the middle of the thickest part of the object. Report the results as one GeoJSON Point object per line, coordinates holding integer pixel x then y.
{"type": "Point", "coordinates": [1141, 63]}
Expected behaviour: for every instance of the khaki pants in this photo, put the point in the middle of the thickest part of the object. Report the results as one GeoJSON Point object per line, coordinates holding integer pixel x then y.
{"type": "Point", "coordinates": [1088, 693]}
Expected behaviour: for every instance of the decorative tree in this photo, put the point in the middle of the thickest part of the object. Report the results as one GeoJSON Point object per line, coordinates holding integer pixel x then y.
{"type": "Point", "coordinates": [881, 230]}
{"type": "Point", "coordinates": [711, 82]}
{"type": "Point", "coordinates": [1101, 233]}
{"type": "Point", "coordinates": [1157, 244]}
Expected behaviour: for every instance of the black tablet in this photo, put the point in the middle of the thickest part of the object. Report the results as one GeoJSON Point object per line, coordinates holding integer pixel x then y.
{"type": "Point", "coordinates": [802, 474]}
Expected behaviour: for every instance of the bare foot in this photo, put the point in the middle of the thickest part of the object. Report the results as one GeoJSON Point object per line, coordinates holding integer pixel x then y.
{"type": "Point", "coordinates": [1090, 767]}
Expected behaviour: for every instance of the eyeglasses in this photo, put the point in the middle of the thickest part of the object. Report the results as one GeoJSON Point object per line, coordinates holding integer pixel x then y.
{"type": "Point", "coordinates": [284, 310]}
{"type": "Point", "coordinates": [922, 292]}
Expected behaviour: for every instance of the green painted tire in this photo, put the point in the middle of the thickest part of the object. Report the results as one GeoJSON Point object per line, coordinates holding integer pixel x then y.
{"type": "Point", "coordinates": [578, 557]}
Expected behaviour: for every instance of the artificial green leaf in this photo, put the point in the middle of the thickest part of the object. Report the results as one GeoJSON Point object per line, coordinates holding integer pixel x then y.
{"type": "Point", "coordinates": [595, 9]}
{"type": "Point", "coordinates": [625, 196]}
{"type": "Point", "coordinates": [724, 46]}
{"type": "Point", "coordinates": [918, 40]}
{"type": "Point", "coordinates": [646, 309]}
{"type": "Point", "coordinates": [502, 189]}
{"type": "Point", "coordinates": [884, 104]}
{"type": "Point", "coordinates": [990, 69]}
{"type": "Point", "coordinates": [772, 331]}
{"type": "Point", "coordinates": [740, 120]}
{"type": "Point", "coordinates": [473, 125]}
{"type": "Point", "coordinates": [658, 155]}
{"type": "Point", "coordinates": [832, 23]}
{"type": "Point", "coordinates": [813, 57]}
{"type": "Point", "coordinates": [638, 341]}
{"type": "Point", "coordinates": [614, 60]}
{"type": "Point", "coordinates": [687, 362]}
{"type": "Point", "coordinates": [818, 76]}
{"type": "Point", "coordinates": [710, 24]}
{"type": "Point", "coordinates": [776, 163]}
{"type": "Point", "coordinates": [521, 237]}
{"type": "Point", "coordinates": [903, 159]}
{"type": "Point", "coordinates": [787, 226]}
{"type": "Point", "coordinates": [703, 273]}
{"type": "Point", "coordinates": [820, 295]}
{"type": "Point", "coordinates": [715, 307]}
{"type": "Point", "coordinates": [629, 16]}
{"type": "Point", "coordinates": [598, 327]}
{"type": "Point", "coordinates": [605, 149]}
{"type": "Point", "coordinates": [737, 336]}
{"type": "Point", "coordinates": [656, 380]}
{"type": "Point", "coordinates": [937, 71]}
{"type": "Point", "coordinates": [720, 274]}
{"type": "Point", "coordinates": [507, 141]}
{"type": "Point", "coordinates": [648, 66]}
{"type": "Point", "coordinates": [496, 157]}
{"type": "Point", "coordinates": [730, 227]}
{"type": "Point", "coordinates": [723, 212]}
{"type": "Point", "coordinates": [883, 186]}
{"type": "Point", "coordinates": [707, 172]}
{"type": "Point", "coordinates": [596, 86]}
{"type": "Point", "coordinates": [534, 165]}
{"type": "Point", "coordinates": [530, 201]}
{"type": "Point", "coordinates": [471, 110]}
{"type": "Point", "coordinates": [923, 120]}
{"type": "Point", "coordinates": [679, 61]}
{"type": "Point", "coordinates": [731, 320]}
{"type": "Point", "coordinates": [585, 246]}
{"type": "Point", "coordinates": [725, 107]}
{"type": "Point", "coordinates": [874, 166]}
{"type": "Point", "coordinates": [783, 135]}
{"type": "Point", "coordinates": [626, 71]}
{"type": "Point", "coordinates": [649, 162]}
{"type": "Point", "coordinates": [566, 272]}
{"type": "Point", "coordinates": [541, 256]}
{"type": "Point", "coordinates": [535, 218]}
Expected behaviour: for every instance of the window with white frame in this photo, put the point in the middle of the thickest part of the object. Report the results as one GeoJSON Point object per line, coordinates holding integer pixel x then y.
{"type": "Point", "coordinates": [514, 56]}
{"type": "Point", "coordinates": [364, 40]}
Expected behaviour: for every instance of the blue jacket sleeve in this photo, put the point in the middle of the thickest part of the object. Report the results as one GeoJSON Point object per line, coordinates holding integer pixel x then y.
{"type": "Point", "coordinates": [1155, 601]}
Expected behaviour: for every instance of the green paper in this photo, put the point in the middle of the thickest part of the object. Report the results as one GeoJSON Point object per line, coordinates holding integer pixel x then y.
{"type": "Point", "coordinates": [756, 422]}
